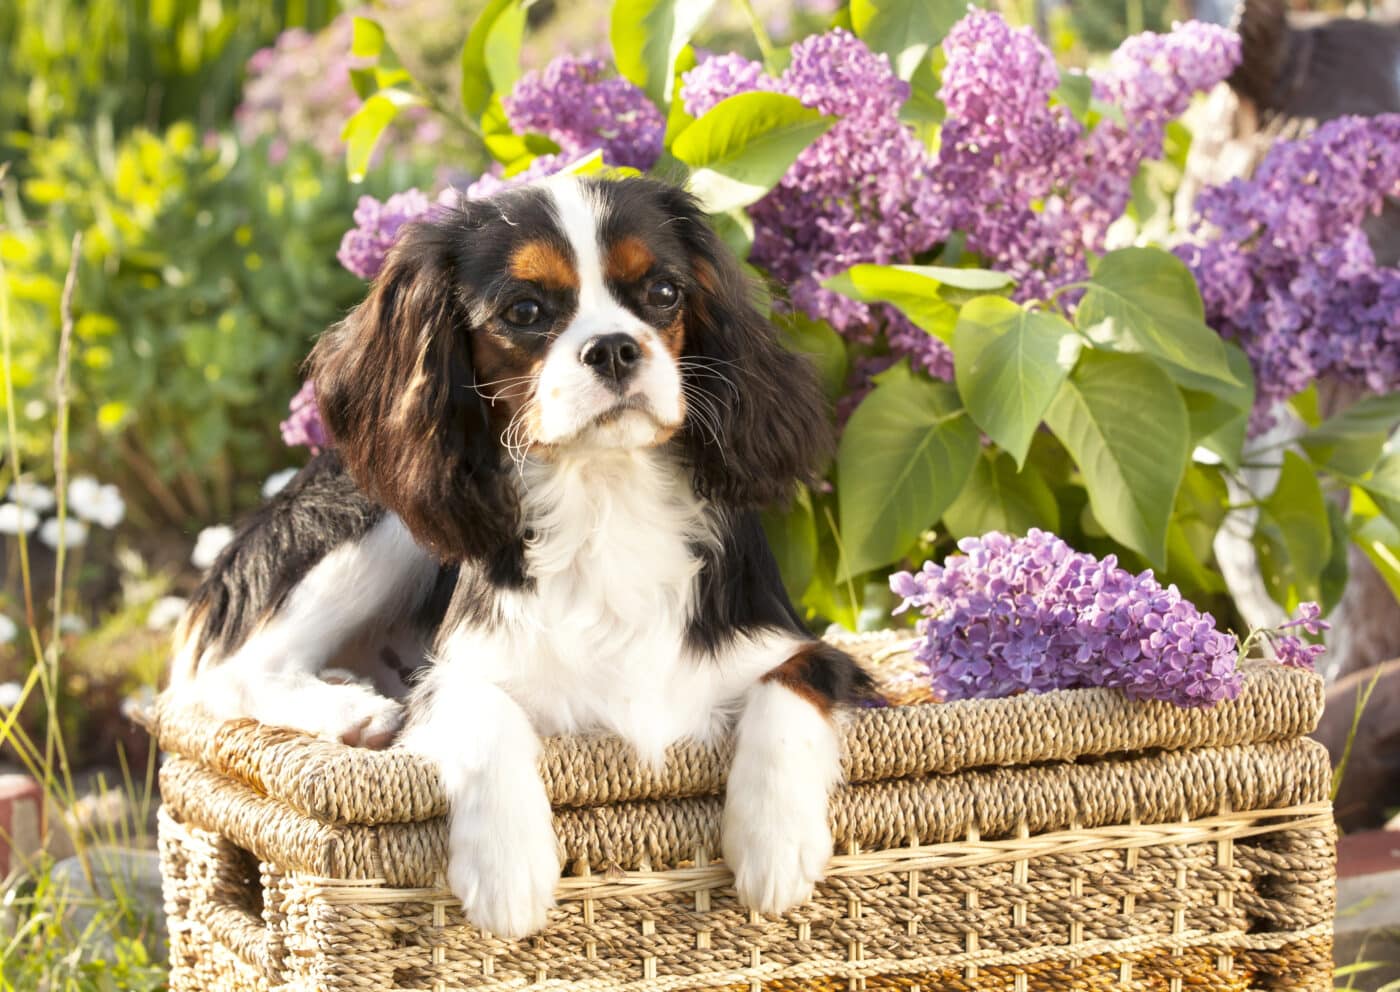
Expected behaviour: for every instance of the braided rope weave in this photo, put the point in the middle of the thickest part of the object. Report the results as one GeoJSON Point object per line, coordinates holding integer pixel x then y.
{"type": "Point", "coordinates": [1066, 841]}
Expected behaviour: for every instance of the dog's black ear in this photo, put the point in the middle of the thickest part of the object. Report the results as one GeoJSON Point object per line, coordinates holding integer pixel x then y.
{"type": "Point", "coordinates": [764, 423]}
{"type": "Point", "coordinates": [395, 387]}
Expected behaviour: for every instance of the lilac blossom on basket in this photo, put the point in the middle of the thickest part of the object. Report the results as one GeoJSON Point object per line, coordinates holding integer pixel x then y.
{"type": "Point", "coordinates": [863, 192]}
{"type": "Point", "coordinates": [1011, 615]}
{"type": "Point", "coordinates": [1285, 268]}
{"type": "Point", "coordinates": [1292, 650]}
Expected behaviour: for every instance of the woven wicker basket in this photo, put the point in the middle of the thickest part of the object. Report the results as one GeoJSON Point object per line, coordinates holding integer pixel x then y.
{"type": "Point", "coordinates": [1066, 841]}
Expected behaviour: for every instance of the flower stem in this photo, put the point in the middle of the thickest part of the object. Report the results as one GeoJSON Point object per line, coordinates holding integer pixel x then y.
{"type": "Point", "coordinates": [760, 33]}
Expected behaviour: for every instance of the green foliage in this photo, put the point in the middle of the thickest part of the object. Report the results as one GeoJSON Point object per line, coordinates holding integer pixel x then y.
{"type": "Point", "coordinates": [206, 272]}
{"type": "Point", "coordinates": [1144, 299]}
{"type": "Point", "coordinates": [59, 939]}
{"type": "Point", "coordinates": [1009, 365]}
{"type": "Point", "coordinates": [1119, 421]}
{"type": "Point", "coordinates": [148, 62]}
{"type": "Point", "coordinates": [740, 149]}
{"type": "Point", "coordinates": [648, 37]}
{"type": "Point", "coordinates": [903, 30]}
{"type": "Point", "coordinates": [1125, 425]}
{"type": "Point", "coordinates": [904, 457]}
{"type": "Point", "coordinates": [1294, 536]}
{"type": "Point", "coordinates": [926, 294]}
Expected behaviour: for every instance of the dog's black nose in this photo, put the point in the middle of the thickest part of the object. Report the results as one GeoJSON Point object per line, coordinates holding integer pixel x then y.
{"type": "Point", "coordinates": [612, 356]}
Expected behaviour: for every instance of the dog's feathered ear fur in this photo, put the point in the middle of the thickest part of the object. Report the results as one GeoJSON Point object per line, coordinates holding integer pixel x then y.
{"type": "Point", "coordinates": [395, 387]}
{"type": "Point", "coordinates": [771, 424]}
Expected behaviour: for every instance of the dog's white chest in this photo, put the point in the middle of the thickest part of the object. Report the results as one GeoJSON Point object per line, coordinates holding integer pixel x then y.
{"type": "Point", "coordinates": [598, 640]}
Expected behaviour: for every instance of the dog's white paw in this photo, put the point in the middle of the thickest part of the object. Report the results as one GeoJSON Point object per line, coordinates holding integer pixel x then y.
{"type": "Point", "coordinates": [776, 838]}
{"type": "Point", "coordinates": [503, 862]}
{"type": "Point", "coordinates": [353, 714]}
{"type": "Point", "coordinates": [777, 856]}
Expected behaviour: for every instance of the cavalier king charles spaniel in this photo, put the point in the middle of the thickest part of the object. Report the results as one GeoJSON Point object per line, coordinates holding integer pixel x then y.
{"type": "Point", "coordinates": [555, 418]}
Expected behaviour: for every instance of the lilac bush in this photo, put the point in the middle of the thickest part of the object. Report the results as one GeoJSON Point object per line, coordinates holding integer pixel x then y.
{"type": "Point", "coordinates": [582, 107]}
{"type": "Point", "coordinates": [303, 425]}
{"type": "Point", "coordinates": [1030, 614]}
{"type": "Point", "coordinates": [991, 157]}
{"type": "Point", "coordinates": [1285, 268]}
{"type": "Point", "coordinates": [863, 192]}
{"type": "Point", "coordinates": [1033, 188]}
{"type": "Point", "coordinates": [299, 89]}
{"type": "Point", "coordinates": [377, 225]}
{"type": "Point", "coordinates": [1030, 186]}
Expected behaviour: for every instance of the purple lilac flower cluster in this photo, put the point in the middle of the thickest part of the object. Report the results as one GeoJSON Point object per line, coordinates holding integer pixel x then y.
{"type": "Point", "coordinates": [365, 246]}
{"type": "Point", "coordinates": [1292, 650]}
{"type": "Point", "coordinates": [863, 192]}
{"type": "Point", "coordinates": [300, 86]}
{"type": "Point", "coordinates": [1029, 614]}
{"type": "Point", "coordinates": [582, 107]}
{"type": "Point", "coordinates": [1286, 270]}
{"type": "Point", "coordinates": [303, 425]}
{"type": "Point", "coordinates": [1033, 190]}
{"type": "Point", "coordinates": [1151, 78]}
{"type": "Point", "coordinates": [1006, 154]}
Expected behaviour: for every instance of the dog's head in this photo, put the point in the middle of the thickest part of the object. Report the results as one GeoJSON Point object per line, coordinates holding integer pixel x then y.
{"type": "Point", "coordinates": [551, 321]}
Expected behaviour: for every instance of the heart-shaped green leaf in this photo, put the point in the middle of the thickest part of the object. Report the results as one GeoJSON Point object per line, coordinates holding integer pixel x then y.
{"type": "Point", "coordinates": [1123, 421]}
{"type": "Point", "coordinates": [648, 36]}
{"type": "Point", "coordinates": [741, 148]}
{"type": "Point", "coordinates": [905, 455]}
{"type": "Point", "coordinates": [904, 30]}
{"type": "Point", "coordinates": [1145, 299]}
{"type": "Point", "coordinates": [1010, 363]}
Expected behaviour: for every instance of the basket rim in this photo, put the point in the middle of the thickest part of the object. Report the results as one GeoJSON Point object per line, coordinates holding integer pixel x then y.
{"type": "Point", "coordinates": [337, 784]}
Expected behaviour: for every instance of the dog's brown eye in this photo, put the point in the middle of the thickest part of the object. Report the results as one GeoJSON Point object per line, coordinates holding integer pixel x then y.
{"type": "Point", "coordinates": [663, 294]}
{"type": "Point", "coordinates": [524, 313]}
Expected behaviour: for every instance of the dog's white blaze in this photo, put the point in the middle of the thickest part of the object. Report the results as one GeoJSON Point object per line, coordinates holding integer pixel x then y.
{"type": "Point", "coordinates": [570, 395]}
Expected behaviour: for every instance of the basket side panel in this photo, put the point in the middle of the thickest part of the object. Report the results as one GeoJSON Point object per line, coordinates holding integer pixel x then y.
{"type": "Point", "coordinates": [217, 942]}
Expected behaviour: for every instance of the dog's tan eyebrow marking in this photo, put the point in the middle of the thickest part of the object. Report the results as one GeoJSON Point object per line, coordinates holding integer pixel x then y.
{"type": "Point", "coordinates": [629, 259]}
{"type": "Point", "coordinates": [541, 262]}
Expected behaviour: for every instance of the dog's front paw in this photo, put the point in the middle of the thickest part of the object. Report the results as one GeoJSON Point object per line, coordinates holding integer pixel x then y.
{"type": "Point", "coordinates": [503, 862]}
{"type": "Point", "coordinates": [777, 856]}
{"type": "Point", "coordinates": [339, 711]}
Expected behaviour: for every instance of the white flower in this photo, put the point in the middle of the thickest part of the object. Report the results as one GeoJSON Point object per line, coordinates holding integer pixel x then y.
{"type": "Point", "coordinates": [27, 492]}
{"type": "Point", "coordinates": [210, 542]}
{"type": "Point", "coordinates": [71, 623]}
{"type": "Point", "coordinates": [277, 481]}
{"type": "Point", "coordinates": [8, 629]}
{"type": "Point", "coordinates": [10, 693]}
{"type": "Point", "coordinates": [72, 534]}
{"type": "Point", "coordinates": [138, 703]}
{"type": "Point", "coordinates": [165, 612]}
{"type": "Point", "coordinates": [89, 499]}
{"type": "Point", "coordinates": [17, 519]}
